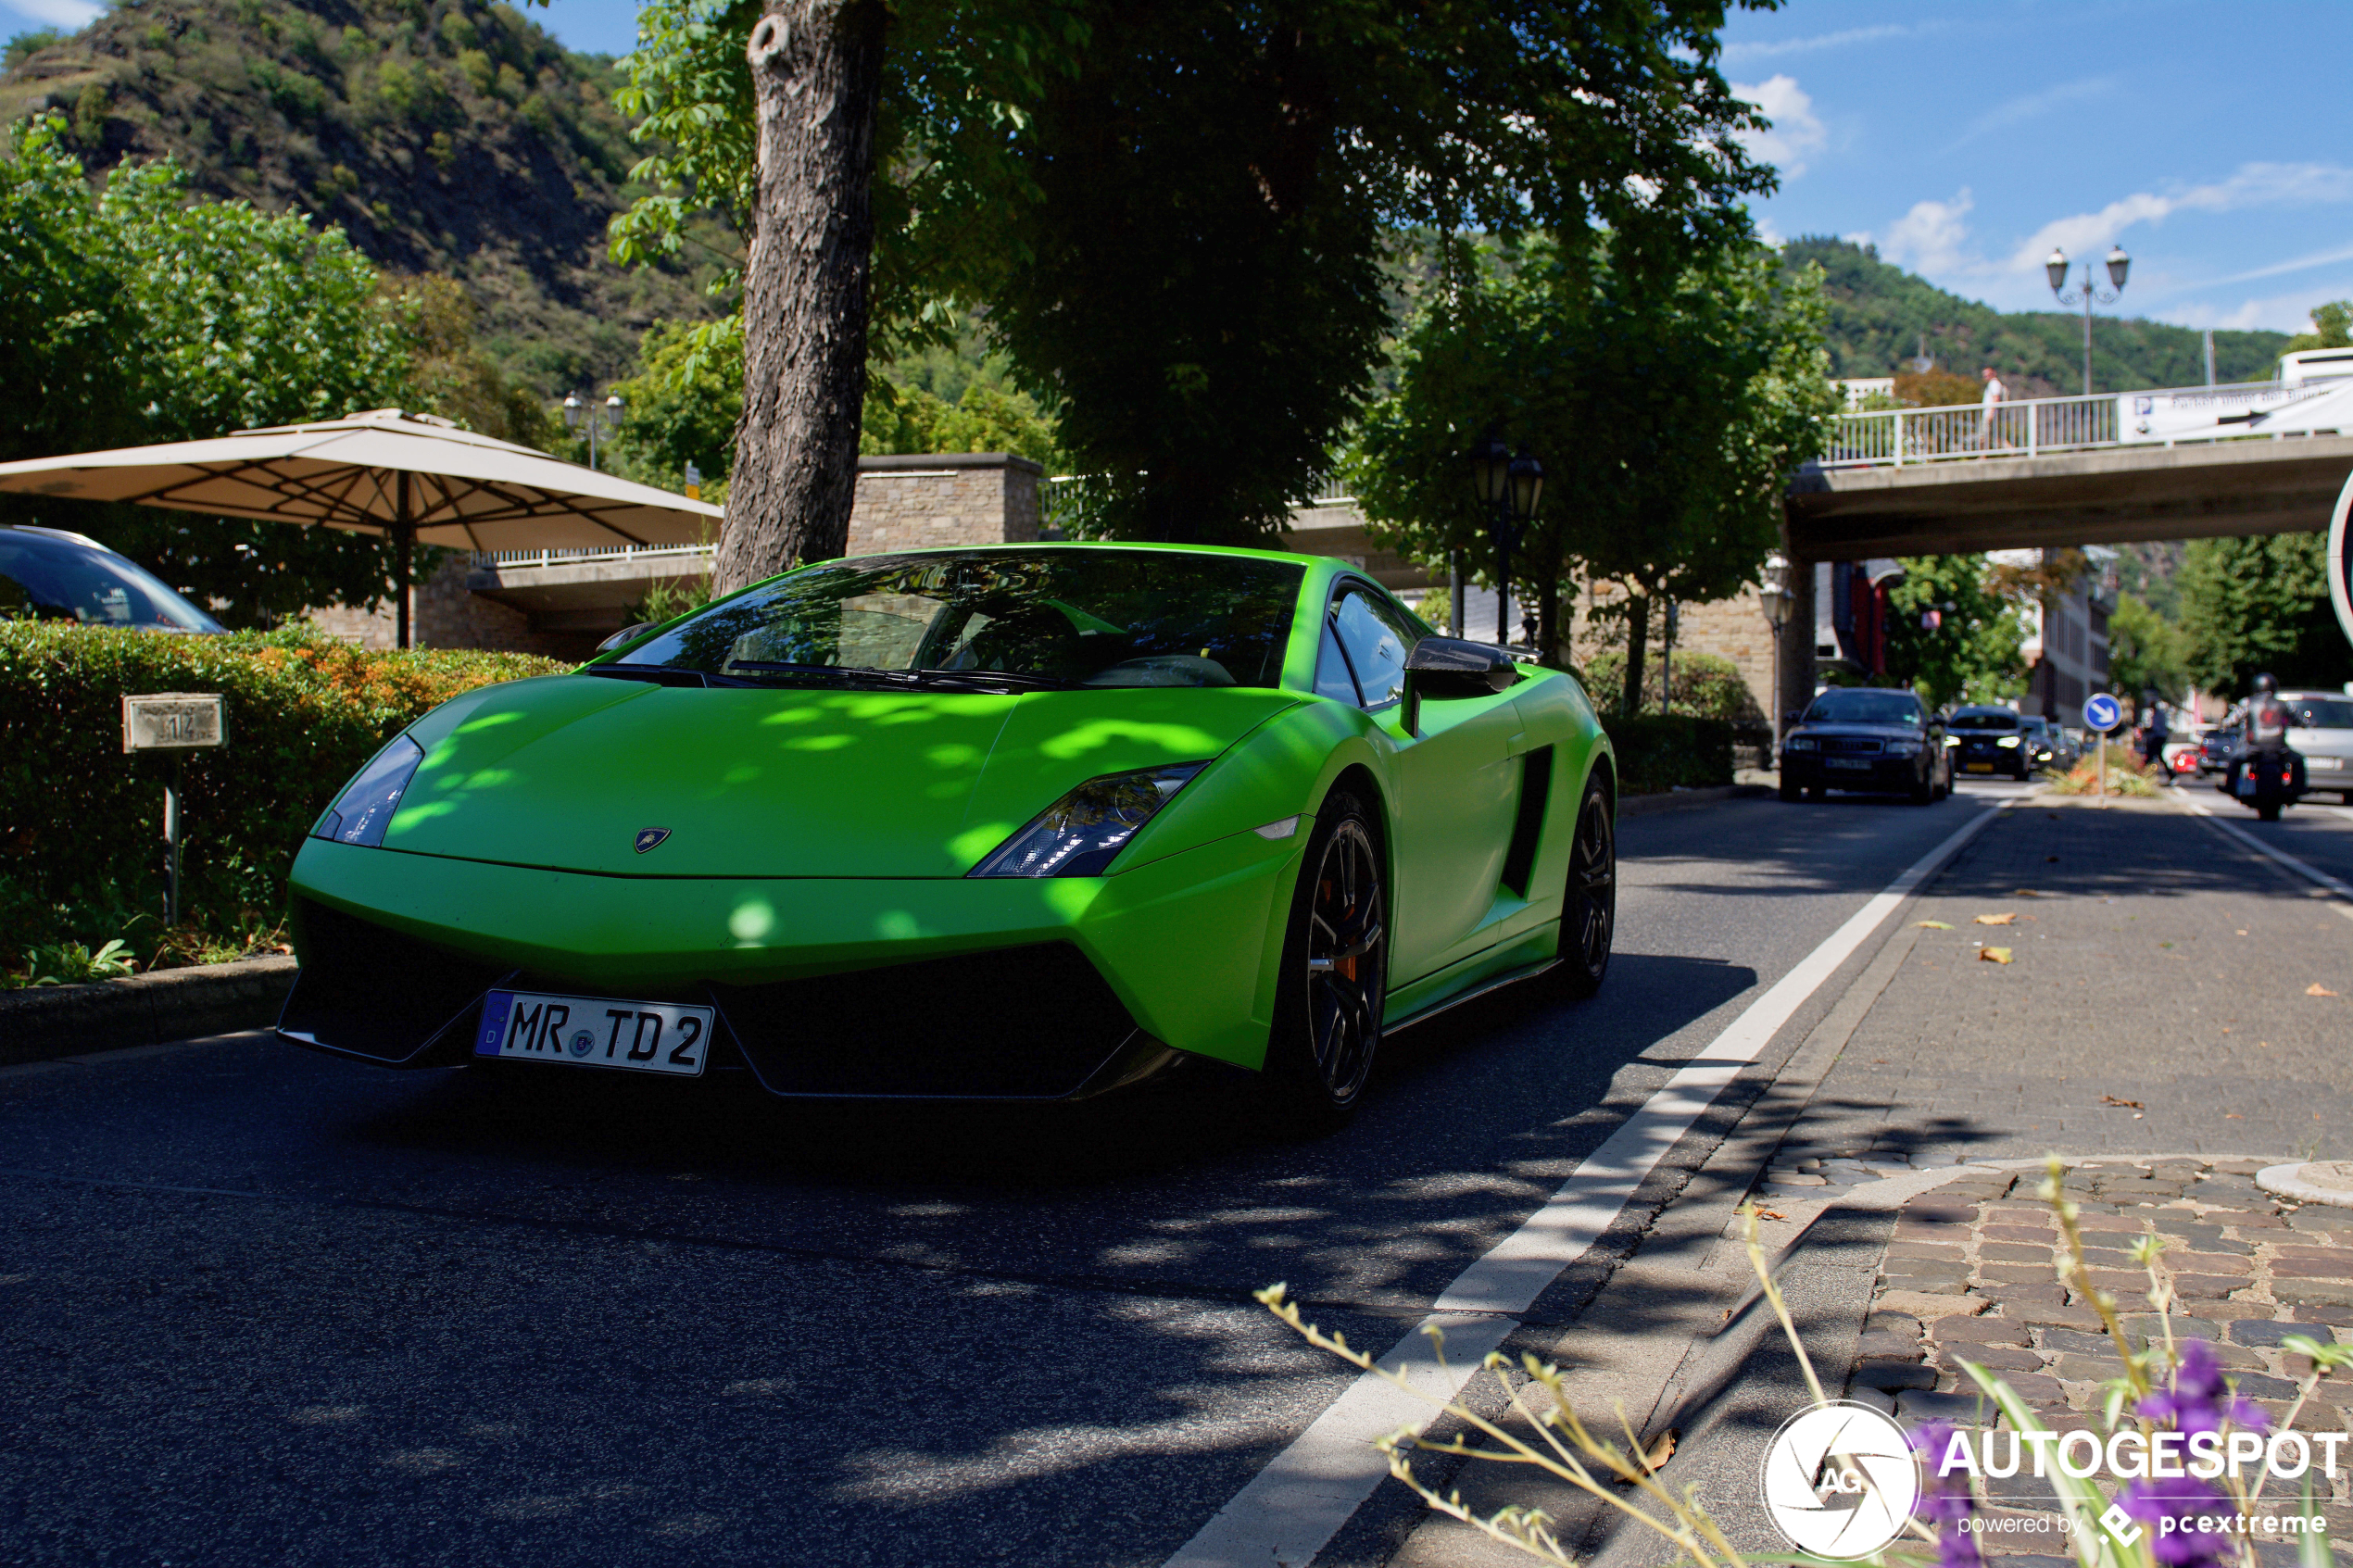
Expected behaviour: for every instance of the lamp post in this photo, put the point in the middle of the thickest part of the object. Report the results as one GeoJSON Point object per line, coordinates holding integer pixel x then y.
{"type": "Point", "coordinates": [1774, 595]}
{"type": "Point", "coordinates": [2056, 270]}
{"type": "Point", "coordinates": [1509, 486]}
{"type": "Point", "coordinates": [598, 421]}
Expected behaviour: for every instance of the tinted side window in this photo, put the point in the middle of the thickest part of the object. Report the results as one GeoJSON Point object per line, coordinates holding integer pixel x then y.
{"type": "Point", "coordinates": [1332, 679]}
{"type": "Point", "coordinates": [1376, 640]}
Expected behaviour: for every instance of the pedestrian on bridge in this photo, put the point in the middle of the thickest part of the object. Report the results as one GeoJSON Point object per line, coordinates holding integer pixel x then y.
{"type": "Point", "coordinates": [1994, 392]}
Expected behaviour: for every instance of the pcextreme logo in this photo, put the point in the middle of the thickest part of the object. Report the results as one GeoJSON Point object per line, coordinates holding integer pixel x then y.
{"type": "Point", "coordinates": [1839, 1480]}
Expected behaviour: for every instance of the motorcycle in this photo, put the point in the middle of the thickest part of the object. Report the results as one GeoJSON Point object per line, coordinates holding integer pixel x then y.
{"type": "Point", "coordinates": [2268, 780]}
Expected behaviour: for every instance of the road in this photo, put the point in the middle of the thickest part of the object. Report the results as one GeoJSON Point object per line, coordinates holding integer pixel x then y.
{"type": "Point", "coordinates": [260, 1306]}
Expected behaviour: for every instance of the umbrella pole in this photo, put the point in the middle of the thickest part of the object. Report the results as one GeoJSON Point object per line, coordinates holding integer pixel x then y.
{"type": "Point", "coordinates": [404, 541]}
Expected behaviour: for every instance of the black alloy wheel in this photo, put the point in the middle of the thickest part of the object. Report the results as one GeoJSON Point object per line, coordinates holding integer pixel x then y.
{"type": "Point", "coordinates": [1589, 906]}
{"type": "Point", "coordinates": [1335, 977]}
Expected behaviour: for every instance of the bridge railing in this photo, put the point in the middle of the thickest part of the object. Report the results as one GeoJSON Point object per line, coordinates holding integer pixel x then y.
{"type": "Point", "coordinates": [2033, 427]}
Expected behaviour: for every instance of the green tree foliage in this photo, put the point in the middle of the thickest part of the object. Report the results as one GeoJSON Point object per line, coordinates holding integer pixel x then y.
{"type": "Point", "coordinates": [151, 316]}
{"type": "Point", "coordinates": [1880, 314]}
{"type": "Point", "coordinates": [1971, 654]}
{"type": "Point", "coordinates": [2251, 605]}
{"type": "Point", "coordinates": [2332, 328]}
{"type": "Point", "coordinates": [444, 136]}
{"type": "Point", "coordinates": [449, 373]}
{"type": "Point", "coordinates": [2145, 652]}
{"type": "Point", "coordinates": [1667, 410]}
{"type": "Point", "coordinates": [1180, 223]}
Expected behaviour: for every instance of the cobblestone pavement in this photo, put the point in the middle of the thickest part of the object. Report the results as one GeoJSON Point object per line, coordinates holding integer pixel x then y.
{"type": "Point", "coordinates": [2168, 990]}
{"type": "Point", "coordinates": [1973, 1273]}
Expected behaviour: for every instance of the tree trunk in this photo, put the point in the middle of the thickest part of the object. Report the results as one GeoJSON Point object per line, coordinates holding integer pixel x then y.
{"type": "Point", "coordinates": [816, 67]}
{"type": "Point", "coordinates": [1638, 636]}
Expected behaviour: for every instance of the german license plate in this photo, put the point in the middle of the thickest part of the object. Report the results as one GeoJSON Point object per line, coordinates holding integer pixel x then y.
{"type": "Point", "coordinates": [1978, 767]}
{"type": "Point", "coordinates": [1844, 762]}
{"type": "Point", "coordinates": [595, 1032]}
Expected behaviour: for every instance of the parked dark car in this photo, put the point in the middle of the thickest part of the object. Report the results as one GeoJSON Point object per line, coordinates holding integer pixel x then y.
{"type": "Point", "coordinates": [2216, 748]}
{"type": "Point", "coordinates": [1865, 739]}
{"type": "Point", "coordinates": [1990, 740]}
{"type": "Point", "coordinates": [48, 574]}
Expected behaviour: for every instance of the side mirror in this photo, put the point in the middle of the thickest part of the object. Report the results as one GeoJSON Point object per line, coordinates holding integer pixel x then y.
{"type": "Point", "coordinates": [627, 633]}
{"type": "Point", "coordinates": [1444, 668]}
{"type": "Point", "coordinates": [1790, 717]}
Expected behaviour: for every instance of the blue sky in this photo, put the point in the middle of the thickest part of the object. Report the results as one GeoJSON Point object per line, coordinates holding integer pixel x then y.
{"type": "Point", "coordinates": [1965, 138]}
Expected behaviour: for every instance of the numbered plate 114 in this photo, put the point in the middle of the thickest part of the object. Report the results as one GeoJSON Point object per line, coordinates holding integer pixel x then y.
{"type": "Point", "coordinates": [595, 1032]}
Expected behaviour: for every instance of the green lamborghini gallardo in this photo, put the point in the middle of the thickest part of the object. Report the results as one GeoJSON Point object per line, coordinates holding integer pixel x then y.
{"type": "Point", "coordinates": [1007, 822]}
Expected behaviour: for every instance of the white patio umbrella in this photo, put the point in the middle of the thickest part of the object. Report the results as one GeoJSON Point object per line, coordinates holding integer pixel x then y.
{"type": "Point", "coordinates": [413, 477]}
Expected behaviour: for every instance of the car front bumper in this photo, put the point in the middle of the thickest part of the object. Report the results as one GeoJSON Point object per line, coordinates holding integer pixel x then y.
{"type": "Point", "coordinates": [965, 987]}
{"type": "Point", "coordinates": [1811, 770]}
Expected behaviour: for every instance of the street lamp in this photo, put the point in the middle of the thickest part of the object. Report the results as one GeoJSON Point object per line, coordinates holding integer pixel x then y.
{"type": "Point", "coordinates": [1509, 487]}
{"type": "Point", "coordinates": [2118, 264]}
{"type": "Point", "coordinates": [605, 422]}
{"type": "Point", "coordinates": [1774, 595]}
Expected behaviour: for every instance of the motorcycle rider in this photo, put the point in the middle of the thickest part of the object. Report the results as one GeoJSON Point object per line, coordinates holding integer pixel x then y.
{"type": "Point", "coordinates": [2263, 735]}
{"type": "Point", "coordinates": [2154, 733]}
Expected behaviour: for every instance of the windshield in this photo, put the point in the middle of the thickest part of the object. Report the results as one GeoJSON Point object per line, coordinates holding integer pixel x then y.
{"type": "Point", "coordinates": [1982, 718]}
{"type": "Point", "coordinates": [2321, 713]}
{"type": "Point", "coordinates": [1856, 707]}
{"type": "Point", "coordinates": [1000, 619]}
{"type": "Point", "coordinates": [47, 577]}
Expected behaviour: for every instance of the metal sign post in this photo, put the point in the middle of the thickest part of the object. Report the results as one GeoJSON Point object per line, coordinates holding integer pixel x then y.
{"type": "Point", "coordinates": [2102, 714]}
{"type": "Point", "coordinates": [174, 722]}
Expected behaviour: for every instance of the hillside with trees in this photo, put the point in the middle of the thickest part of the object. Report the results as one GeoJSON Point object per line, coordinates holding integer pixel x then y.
{"type": "Point", "coordinates": [444, 137]}
{"type": "Point", "coordinates": [1881, 315]}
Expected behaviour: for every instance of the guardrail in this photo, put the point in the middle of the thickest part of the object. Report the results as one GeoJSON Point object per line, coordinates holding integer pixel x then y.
{"type": "Point", "coordinates": [2034, 427]}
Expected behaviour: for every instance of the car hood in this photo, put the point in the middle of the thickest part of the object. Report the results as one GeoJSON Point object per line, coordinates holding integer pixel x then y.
{"type": "Point", "coordinates": [567, 772]}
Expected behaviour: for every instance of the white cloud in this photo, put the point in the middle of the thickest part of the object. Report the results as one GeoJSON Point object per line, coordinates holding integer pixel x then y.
{"type": "Point", "coordinates": [2034, 105]}
{"type": "Point", "coordinates": [1796, 132]}
{"type": "Point", "coordinates": [72, 15]}
{"type": "Point", "coordinates": [2255, 184]}
{"type": "Point", "coordinates": [1734, 53]}
{"type": "Point", "coordinates": [2280, 269]}
{"type": "Point", "coordinates": [1933, 237]}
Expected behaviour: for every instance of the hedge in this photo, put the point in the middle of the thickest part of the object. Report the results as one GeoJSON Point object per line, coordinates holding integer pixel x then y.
{"type": "Point", "coordinates": [1706, 686]}
{"type": "Point", "coordinates": [81, 823]}
{"type": "Point", "coordinates": [1658, 752]}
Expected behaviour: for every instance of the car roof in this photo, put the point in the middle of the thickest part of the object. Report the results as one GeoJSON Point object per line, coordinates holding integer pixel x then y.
{"type": "Point", "coordinates": [1237, 551]}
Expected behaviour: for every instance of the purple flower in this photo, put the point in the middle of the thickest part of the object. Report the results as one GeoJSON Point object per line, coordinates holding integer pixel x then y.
{"type": "Point", "coordinates": [2183, 1502]}
{"type": "Point", "coordinates": [1945, 1499]}
{"type": "Point", "coordinates": [2199, 1399]}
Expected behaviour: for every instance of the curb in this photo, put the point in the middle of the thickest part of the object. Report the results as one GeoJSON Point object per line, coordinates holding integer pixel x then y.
{"type": "Point", "coordinates": [1645, 804]}
{"type": "Point", "coordinates": [49, 1022]}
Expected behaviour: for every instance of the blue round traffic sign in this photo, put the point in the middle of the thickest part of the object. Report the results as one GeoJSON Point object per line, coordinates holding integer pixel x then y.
{"type": "Point", "coordinates": [2102, 713]}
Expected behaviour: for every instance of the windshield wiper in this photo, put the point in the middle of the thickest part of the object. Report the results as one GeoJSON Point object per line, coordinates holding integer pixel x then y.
{"type": "Point", "coordinates": [1020, 678]}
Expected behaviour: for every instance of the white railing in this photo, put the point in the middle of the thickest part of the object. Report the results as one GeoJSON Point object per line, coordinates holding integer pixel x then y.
{"type": "Point", "coordinates": [2034, 427]}
{"type": "Point", "coordinates": [593, 552]}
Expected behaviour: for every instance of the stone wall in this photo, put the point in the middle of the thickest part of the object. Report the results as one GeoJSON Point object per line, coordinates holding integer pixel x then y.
{"type": "Point", "coordinates": [1733, 629]}
{"type": "Point", "coordinates": [915, 502]}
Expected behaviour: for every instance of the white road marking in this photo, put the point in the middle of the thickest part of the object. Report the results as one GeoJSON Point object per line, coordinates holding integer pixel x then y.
{"type": "Point", "coordinates": [2303, 868]}
{"type": "Point", "coordinates": [1292, 1509]}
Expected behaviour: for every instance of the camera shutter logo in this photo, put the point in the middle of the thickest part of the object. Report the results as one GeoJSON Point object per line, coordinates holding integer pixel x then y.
{"type": "Point", "coordinates": [1839, 1480]}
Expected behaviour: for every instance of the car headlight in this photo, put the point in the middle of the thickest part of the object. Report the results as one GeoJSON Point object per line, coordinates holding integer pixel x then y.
{"type": "Point", "coordinates": [1804, 743]}
{"type": "Point", "coordinates": [362, 813]}
{"type": "Point", "coordinates": [1952, 740]}
{"type": "Point", "coordinates": [1081, 834]}
{"type": "Point", "coordinates": [2008, 741]}
{"type": "Point", "coordinates": [1903, 748]}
